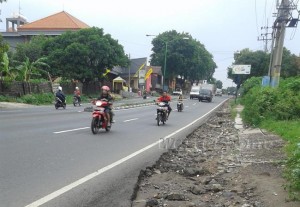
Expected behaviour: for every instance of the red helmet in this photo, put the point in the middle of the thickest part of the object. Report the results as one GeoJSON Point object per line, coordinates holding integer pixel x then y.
{"type": "Point", "coordinates": [105, 88]}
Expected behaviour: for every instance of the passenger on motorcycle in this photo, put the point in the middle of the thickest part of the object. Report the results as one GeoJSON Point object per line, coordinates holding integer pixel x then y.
{"type": "Point", "coordinates": [105, 94]}
{"type": "Point", "coordinates": [166, 99]}
{"type": "Point", "coordinates": [180, 98]}
{"type": "Point", "coordinates": [59, 94]}
{"type": "Point", "coordinates": [77, 95]}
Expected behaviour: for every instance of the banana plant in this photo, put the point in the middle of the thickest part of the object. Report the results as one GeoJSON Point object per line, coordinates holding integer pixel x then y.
{"type": "Point", "coordinates": [6, 72]}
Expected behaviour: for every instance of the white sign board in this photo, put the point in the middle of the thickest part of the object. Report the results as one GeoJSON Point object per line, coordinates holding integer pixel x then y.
{"type": "Point", "coordinates": [241, 69]}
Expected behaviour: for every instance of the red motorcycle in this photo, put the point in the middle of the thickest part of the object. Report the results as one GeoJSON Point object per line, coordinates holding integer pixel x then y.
{"type": "Point", "coordinates": [99, 120]}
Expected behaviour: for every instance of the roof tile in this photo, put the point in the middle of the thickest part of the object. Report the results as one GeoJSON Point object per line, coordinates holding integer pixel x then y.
{"type": "Point", "coordinates": [58, 21]}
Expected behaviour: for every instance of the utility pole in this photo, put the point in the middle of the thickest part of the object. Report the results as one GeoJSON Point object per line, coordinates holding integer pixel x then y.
{"type": "Point", "coordinates": [129, 86]}
{"type": "Point", "coordinates": [284, 19]}
{"type": "Point", "coordinates": [265, 37]}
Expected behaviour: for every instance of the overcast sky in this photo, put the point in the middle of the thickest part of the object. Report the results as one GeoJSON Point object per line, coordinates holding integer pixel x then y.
{"type": "Point", "coordinates": [223, 26]}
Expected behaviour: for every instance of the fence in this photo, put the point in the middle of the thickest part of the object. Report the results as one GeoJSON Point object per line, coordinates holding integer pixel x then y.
{"type": "Point", "coordinates": [18, 89]}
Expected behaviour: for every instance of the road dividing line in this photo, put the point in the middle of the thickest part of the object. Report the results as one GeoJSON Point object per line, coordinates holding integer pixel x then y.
{"type": "Point", "coordinates": [131, 120]}
{"type": "Point", "coordinates": [71, 130]}
{"type": "Point", "coordinates": [194, 104]}
{"type": "Point", "coordinates": [69, 187]}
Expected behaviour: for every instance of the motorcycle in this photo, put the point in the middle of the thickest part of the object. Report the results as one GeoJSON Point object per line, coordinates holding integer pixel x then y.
{"type": "Point", "coordinates": [60, 103]}
{"type": "Point", "coordinates": [76, 101]}
{"type": "Point", "coordinates": [162, 113]}
{"type": "Point", "coordinates": [99, 120]}
{"type": "Point", "coordinates": [179, 106]}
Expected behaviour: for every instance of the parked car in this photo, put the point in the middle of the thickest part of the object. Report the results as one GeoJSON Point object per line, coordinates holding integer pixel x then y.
{"type": "Point", "coordinates": [205, 94]}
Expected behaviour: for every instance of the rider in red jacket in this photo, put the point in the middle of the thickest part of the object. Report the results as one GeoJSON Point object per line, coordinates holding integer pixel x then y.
{"type": "Point", "coordinates": [166, 99]}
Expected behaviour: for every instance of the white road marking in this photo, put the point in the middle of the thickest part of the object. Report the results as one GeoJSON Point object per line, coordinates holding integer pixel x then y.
{"type": "Point", "coordinates": [131, 120]}
{"type": "Point", "coordinates": [194, 104]}
{"type": "Point", "coordinates": [70, 130]}
{"type": "Point", "coordinates": [69, 187]}
{"type": "Point", "coordinates": [187, 106]}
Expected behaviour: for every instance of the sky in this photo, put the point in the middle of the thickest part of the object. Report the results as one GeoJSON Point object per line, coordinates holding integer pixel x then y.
{"type": "Point", "coordinates": [223, 26]}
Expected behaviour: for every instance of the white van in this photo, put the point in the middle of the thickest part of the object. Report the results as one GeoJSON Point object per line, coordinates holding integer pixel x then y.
{"type": "Point", "coordinates": [195, 92]}
{"type": "Point", "coordinates": [218, 92]}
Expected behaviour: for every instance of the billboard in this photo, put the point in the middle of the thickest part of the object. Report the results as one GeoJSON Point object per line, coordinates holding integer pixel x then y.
{"type": "Point", "coordinates": [241, 69]}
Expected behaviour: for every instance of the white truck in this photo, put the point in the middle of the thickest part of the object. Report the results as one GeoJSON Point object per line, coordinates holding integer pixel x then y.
{"type": "Point", "coordinates": [195, 92]}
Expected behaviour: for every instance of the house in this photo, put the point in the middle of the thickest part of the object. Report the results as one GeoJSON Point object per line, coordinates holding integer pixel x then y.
{"type": "Point", "coordinates": [134, 73]}
{"type": "Point", "coordinates": [18, 30]}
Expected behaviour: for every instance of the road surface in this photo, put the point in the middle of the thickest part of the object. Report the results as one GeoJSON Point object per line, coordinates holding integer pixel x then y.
{"type": "Point", "coordinates": [50, 157]}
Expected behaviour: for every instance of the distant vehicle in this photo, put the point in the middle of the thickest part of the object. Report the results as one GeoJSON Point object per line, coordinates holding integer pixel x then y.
{"type": "Point", "coordinates": [177, 91]}
{"type": "Point", "coordinates": [211, 87]}
{"type": "Point", "coordinates": [218, 92]}
{"type": "Point", "coordinates": [205, 94]}
{"type": "Point", "coordinates": [194, 92]}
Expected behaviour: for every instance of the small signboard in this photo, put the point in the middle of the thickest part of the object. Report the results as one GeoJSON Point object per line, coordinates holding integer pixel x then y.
{"type": "Point", "coordinates": [241, 69]}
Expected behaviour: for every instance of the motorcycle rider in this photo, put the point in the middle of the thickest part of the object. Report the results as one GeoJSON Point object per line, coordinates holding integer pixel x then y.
{"type": "Point", "coordinates": [105, 94]}
{"type": "Point", "coordinates": [77, 95]}
{"type": "Point", "coordinates": [180, 101]}
{"type": "Point", "coordinates": [166, 99]}
{"type": "Point", "coordinates": [59, 94]}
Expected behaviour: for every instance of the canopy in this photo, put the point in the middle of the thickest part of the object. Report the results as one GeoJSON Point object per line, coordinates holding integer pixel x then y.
{"type": "Point", "coordinates": [119, 80]}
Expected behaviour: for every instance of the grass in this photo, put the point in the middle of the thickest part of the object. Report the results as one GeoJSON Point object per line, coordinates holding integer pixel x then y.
{"type": "Point", "coordinates": [42, 99]}
{"type": "Point", "coordinates": [289, 131]}
{"type": "Point", "coordinates": [233, 104]}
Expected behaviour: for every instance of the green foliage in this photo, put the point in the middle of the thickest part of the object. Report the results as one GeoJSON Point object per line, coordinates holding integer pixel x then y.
{"type": "Point", "coordinates": [278, 110]}
{"type": "Point", "coordinates": [32, 49]}
{"type": "Point", "coordinates": [8, 73]}
{"type": "Point", "coordinates": [37, 99]}
{"type": "Point", "coordinates": [4, 47]}
{"type": "Point", "coordinates": [259, 62]}
{"type": "Point", "coordinates": [27, 69]}
{"type": "Point", "coordinates": [83, 55]}
{"type": "Point", "coordinates": [219, 84]}
{"type": "Point", "coordinates": [282, 103]}
{"type": "Point", "coordinates": [290, 131]}
{"type": "Point", "coordinates": [250, 83]}
{"type": "Point", "coordinates": [185, 57]}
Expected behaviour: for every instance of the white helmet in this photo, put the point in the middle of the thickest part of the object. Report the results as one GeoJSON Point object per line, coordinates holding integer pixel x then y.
{"type": "Point", "coordinates": [76, 88]}
{"type": "Point", "coordinates": [59, 88]}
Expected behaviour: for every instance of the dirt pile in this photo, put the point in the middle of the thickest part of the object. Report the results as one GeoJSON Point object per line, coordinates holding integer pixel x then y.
{"type": "Point", "coordinates": [217, 166]}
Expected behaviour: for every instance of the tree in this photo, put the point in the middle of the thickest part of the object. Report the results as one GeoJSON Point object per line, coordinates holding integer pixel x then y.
{"type": "Point", "coordinates": [28, 69]}
{"type": "Point", "coordinates": [84, 55]}
{"type": "Point", "coordinates": [259, 62]}
{"type": "Point", "coordinates": [185, 57]}
{"type": "Point", "coordinates": [219, 84]}
{"type": "Point", "coordinates": [32, 49]}
{"type": "Point", "coordinates": [7, 73]}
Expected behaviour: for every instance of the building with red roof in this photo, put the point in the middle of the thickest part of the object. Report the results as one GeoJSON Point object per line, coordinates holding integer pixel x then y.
{"type": "Point", "coordinates": [18, 30]}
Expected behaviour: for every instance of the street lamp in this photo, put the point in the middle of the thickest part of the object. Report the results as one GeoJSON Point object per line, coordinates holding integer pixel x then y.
{"type": "Point", "coordinates": [166, 51]}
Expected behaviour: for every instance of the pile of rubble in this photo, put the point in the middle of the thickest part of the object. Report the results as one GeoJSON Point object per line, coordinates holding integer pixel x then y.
{"type": "Point", "coordinates": [216, 166]}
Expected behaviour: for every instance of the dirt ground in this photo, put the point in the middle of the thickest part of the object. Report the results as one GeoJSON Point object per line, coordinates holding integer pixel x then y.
{"type": "Point", "coordinates": [218, 166]}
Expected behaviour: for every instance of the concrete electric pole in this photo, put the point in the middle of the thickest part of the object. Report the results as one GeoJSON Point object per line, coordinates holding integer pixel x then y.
{"type": "Point", "coordinates": [284, 19]}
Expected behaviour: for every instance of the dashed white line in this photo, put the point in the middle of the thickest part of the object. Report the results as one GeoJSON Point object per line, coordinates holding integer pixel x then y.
{"type": "Point", "coordinates": [194, 104]}
{"type": "Point", "coordinates": [70, 130]}
{"type": "Point", "coordinates": [69, 187]}
{"type": "Point", "coordinates": [131, 120]}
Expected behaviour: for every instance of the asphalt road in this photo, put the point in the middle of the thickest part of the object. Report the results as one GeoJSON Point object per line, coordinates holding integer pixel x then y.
{"type": "Point", "coordinates": [50, 157]}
